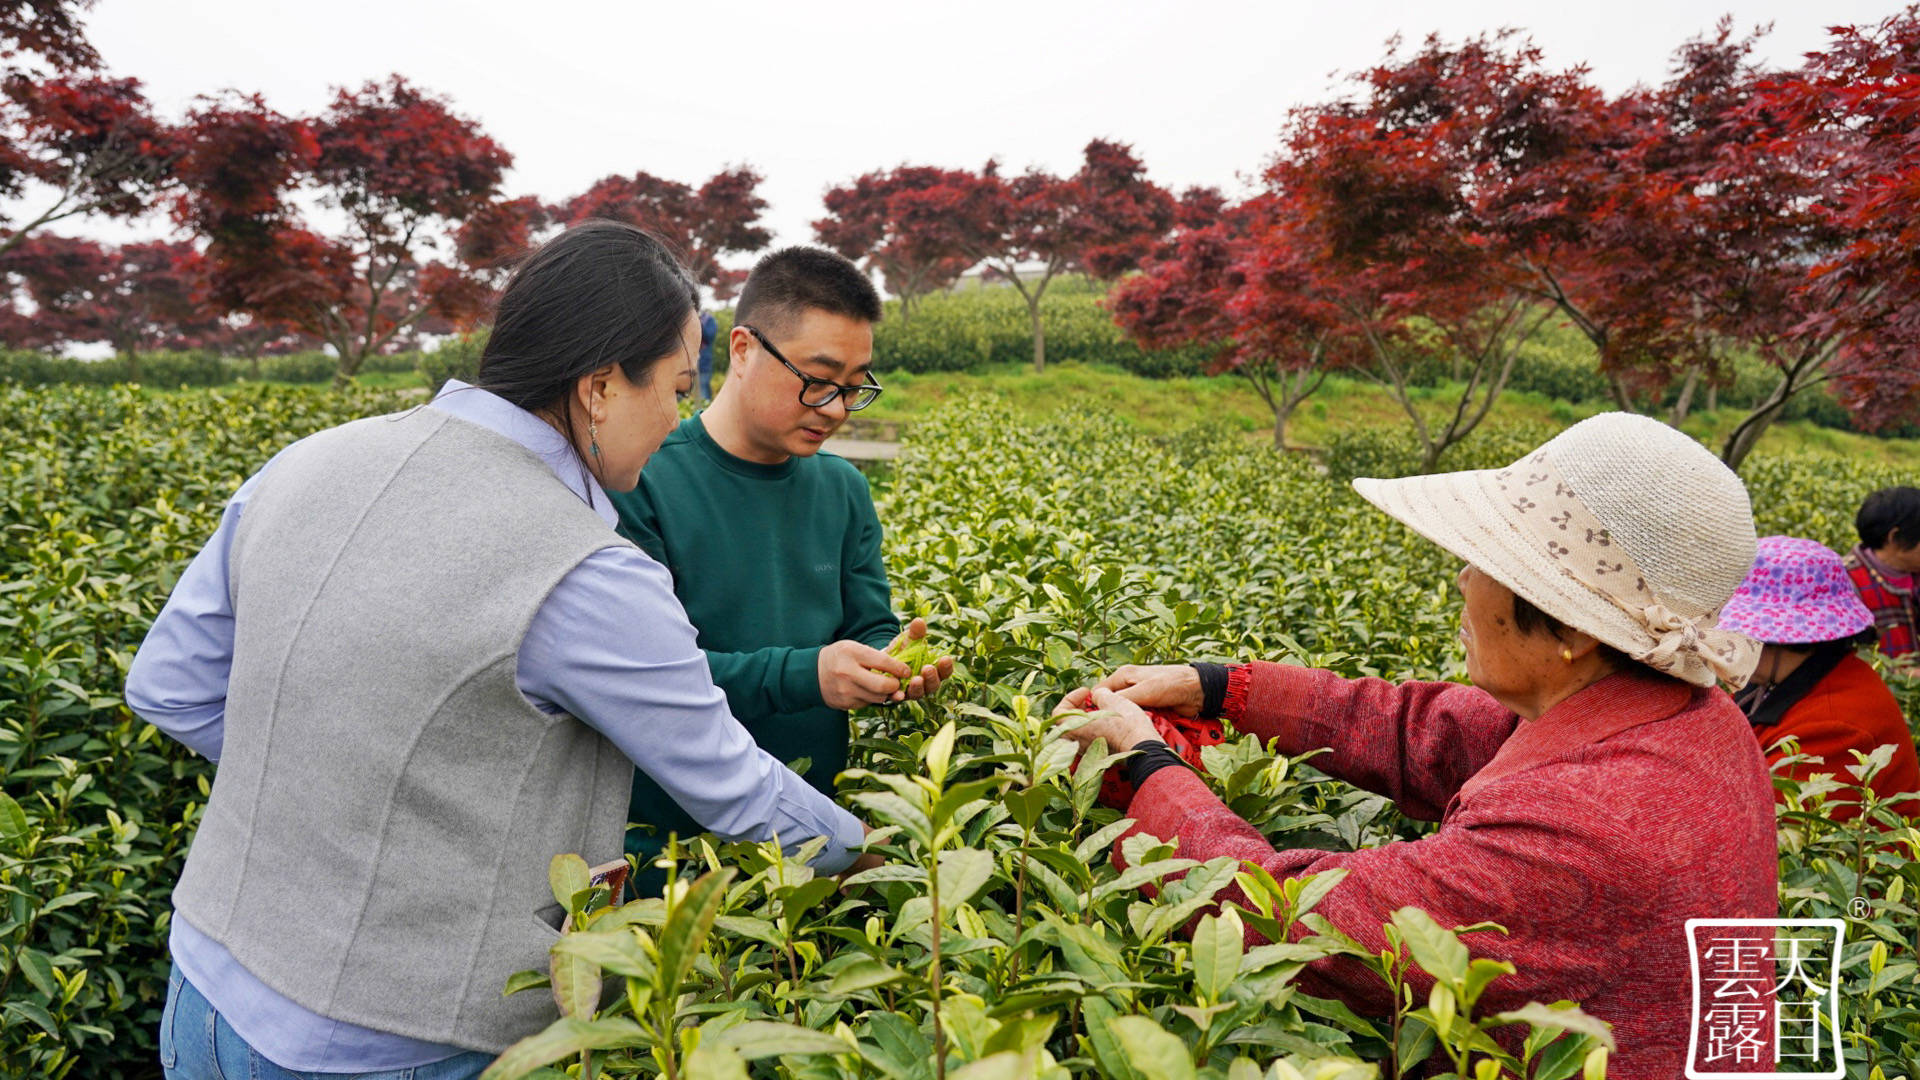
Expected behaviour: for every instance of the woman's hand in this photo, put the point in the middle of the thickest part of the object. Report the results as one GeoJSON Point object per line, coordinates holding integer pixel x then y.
{"type": "Point", "coordinates": [1123, 725]}
{"type": "Point", "coordinates": [1173, 687]}
{"type": "Point", "coordinates": [866, 860]}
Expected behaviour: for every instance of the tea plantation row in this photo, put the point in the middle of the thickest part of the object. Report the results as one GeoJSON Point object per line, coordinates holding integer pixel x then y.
{"type": "Point", "coordinates": [1044, 556]}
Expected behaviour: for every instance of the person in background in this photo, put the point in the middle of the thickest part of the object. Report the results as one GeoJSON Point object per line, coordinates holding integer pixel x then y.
{"type": "Point", "coordinates": [709, 329]}
{"type": "Point", "coordinates": [1594, 787]}
{"type": "Point", "coordinates": [1800, 604]}
{"type": "Point", "coordinates": [1883, 567]}
{"type": "Point", "coordinates": [774, 546]}
{"type": "Point", "coordinates": [426, 664]}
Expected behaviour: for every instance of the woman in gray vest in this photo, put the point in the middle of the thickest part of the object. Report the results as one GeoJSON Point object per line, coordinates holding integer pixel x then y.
{"type": "Point", "coordinates": [426, 664]}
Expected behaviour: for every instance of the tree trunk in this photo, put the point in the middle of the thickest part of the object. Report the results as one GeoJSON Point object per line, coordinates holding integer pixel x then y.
{"type": "Point", "coordinates": [133, 365]}
{"type": "Point", "coordinates": [1747, 435]}
{"type": "Point", "coordinates": [1713, 397]}
{"type": "Point", "coordinates": [349, 366]}
{"type": "Point", "coordinates": [1622, 398]}
{"type": "Point", "coordinates": [1039, 333]}
{"type": "Point", "coordinates": [1684, 402]}
{"type": "Point", "coordinates": [1798, 377]}
{"type": "Point", "coordinates": [1282, 416]}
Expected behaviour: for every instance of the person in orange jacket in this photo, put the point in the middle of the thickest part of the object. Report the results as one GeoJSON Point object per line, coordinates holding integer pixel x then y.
{"type": "Point", "coordinates": [1799, 602]}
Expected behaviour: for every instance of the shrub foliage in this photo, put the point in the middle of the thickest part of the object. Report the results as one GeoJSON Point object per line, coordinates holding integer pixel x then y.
{"type": "Point", "coordinates": [1043, 556]}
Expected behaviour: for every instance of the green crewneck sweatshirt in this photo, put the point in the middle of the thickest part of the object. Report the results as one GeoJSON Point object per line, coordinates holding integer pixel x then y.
{"type": "Point", "coordinates": [771, 562]}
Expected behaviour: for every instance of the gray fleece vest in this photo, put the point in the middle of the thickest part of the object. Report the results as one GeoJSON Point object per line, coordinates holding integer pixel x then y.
{"type": "Point", "coordinates": [387, 801]}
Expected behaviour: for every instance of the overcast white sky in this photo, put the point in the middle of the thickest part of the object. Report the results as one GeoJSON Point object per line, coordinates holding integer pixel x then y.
{"type": "Point", "coordinates": [813, 94]}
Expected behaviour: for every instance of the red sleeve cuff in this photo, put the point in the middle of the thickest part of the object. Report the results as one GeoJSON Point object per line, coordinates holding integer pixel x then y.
{"type": "Point", "coordinates": [1239, 676]}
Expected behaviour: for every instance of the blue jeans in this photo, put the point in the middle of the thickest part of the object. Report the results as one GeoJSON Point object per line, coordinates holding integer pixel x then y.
{"type": "Point", "coordinates": [196, 1043]}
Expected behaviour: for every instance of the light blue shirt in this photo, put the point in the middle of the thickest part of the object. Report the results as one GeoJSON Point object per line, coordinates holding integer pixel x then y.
{"type": "Point", "coordinates": [610, 646]}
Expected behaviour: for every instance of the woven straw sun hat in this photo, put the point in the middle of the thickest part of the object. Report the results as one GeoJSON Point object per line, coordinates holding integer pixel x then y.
{"type": "Point", "coordinates": [1620, 526]}
{"type": "Point", "coordinates": [1798, 593]}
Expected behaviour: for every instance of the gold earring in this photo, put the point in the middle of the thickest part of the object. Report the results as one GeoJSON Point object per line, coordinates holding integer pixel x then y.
{"type": "Point", "coordinates": [593, 438]}
{"type": "Point", "coordinates": [1567, 655]}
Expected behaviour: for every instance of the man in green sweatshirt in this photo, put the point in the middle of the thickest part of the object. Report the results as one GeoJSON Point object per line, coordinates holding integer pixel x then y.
{"type": "Point", "coordinates": [774, 546]}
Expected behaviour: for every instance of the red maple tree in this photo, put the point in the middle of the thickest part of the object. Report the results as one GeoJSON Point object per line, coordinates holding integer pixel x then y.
{"type": "Point", "coordinates": [1849, 120]}
{"type": "Point", "coordinates": [396, 163]}
{"type": "Point", "coordinates": [1220, 281]}
{"type": "Point", "coordinates": [704, 224]}
{"type": "Point", "coordinates": [91, 141]}
{"type": "Point", "coordinates": [1028, 229]}
{"type": "Point", "coordinates": [137, 297]}
{"type": "Point", "coordinates": [868, 219]}
{"type": "Point", "coordinates": [1381, 212]}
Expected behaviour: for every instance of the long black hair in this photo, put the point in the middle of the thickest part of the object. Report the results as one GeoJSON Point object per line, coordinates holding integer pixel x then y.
{"type": "Point", "coordinates": [601, 293]}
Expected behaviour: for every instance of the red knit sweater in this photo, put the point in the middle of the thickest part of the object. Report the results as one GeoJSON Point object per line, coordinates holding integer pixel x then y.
{"type": "Point", "coordinates": [1850, 709]}
{"type": "Point", "coordinates": [1591, 834]}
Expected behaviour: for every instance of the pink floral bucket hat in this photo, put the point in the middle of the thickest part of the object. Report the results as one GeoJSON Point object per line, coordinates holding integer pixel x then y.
{"type": "Point", "coordinates": [1798, 593]}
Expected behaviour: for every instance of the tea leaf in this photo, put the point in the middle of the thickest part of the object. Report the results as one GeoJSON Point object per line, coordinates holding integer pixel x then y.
{"type": "Point", "coordinates": [1096, 842]}
{"type": "Point", "coordinates": [899, 1050]}
{"type": "Point", "coordinates": [617, 951]}
{"type": "Point", "coordinates": [864, 975]}
{"type": "Point", "coordinates": [1005, 1065]}
{"type": "Point", "coordinates": [563, 1038]}
{"type": "Point", "coordinates": [713, 1061]}
{"type": "Point", "coordinates": [685, 933]}
{"type": "Point", "coordinates": [13, 820]}
{"type": "Point", "coordinates": [38, 970]}
{"type": "Point", "coordinates": [1314, 888]}
{"type": "Point", "coordinates": [1563, 1015]}
{"type": "Point", "coordinates": [1436, 949]}
{"type": "Point", "coordinates": [1107, 1051]}
{"type": "Point", "coordinates": [525, 980]}
{"type": "Point", "coordinates": [758, 1039]}
{"type": "Point", "coordinates": [567, 875]}
{"type": "Point", "coordinates": [937, 751]}
{"type": "Point", "coordinates": [961, 873]}
{"type": "Point", "coordinates": [576, 982]}
{"type": "Point", "coordinates": [1155, 1053]}
{"type": "Point", "coordinates": [1217, 944]}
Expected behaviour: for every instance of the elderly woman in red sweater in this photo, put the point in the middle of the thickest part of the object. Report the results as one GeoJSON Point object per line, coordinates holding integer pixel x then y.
{"type": "Point", "coordinates": [1594, 787]}
{"type": "Point", "coordinates": [1799, 602]}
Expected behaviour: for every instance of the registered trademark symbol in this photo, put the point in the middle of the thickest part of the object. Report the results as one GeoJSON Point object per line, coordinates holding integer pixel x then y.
{"type": "Point", "coordinates": [1857, 907]}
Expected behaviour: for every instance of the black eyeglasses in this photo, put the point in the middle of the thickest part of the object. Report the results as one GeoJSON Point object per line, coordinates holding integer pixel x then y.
{"type": "Point", "coordinates": [819, 393]}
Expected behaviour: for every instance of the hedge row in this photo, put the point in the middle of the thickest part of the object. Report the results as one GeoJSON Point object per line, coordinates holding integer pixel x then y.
{"type": "Point", "coordinates": [22, 367]}
{"type": "Point", "coordinates": [969, 329]}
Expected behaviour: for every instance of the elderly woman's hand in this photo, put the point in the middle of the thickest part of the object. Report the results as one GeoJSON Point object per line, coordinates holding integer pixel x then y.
{"type": "Point", "coordinates": [1123, 724]}
{"type": "Point", "coordinates": [1173, 687]}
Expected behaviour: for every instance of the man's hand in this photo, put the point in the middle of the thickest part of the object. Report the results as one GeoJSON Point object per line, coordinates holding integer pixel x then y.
{"type": "Point", "coordinates": [846, 681]}
{"type": "Point", "coordinates": [1124, 725]}
{"type": "Point", "coordinates": [1173, 687]}
{"type": "Point", "coordinates": [926, 682]}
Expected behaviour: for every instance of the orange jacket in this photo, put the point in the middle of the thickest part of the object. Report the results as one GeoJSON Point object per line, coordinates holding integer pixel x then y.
{"type": "Point", "coordinates": [1850, 709]}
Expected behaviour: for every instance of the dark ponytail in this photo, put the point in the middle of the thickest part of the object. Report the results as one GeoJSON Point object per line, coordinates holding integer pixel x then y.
{"type": "Point", "coordinates": [600, 293]}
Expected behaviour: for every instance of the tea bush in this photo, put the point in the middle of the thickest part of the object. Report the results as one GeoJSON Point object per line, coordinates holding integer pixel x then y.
{"type": "Point", "coordinates": [104, 496]}
{"type": "Point", "coordinates": [1043, 555]}
{"type": "Point", "coordinates": [458, 358]}
{"type": "Point", "coordinates": [989, 325]}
